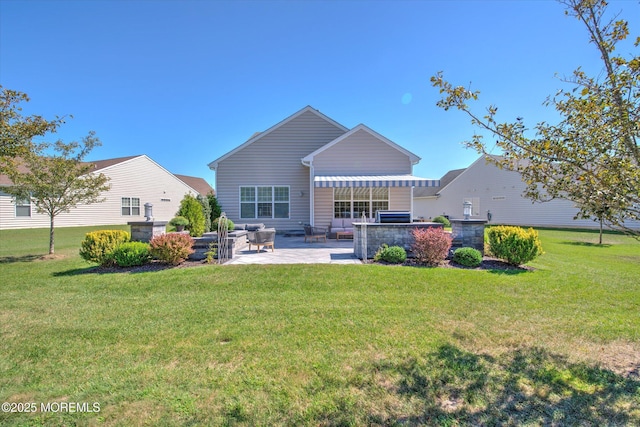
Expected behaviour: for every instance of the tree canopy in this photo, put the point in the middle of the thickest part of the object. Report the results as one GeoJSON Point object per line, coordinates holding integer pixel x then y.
{"type": "Point", "coordinates": [591, 156]}
{"type": "Point", "coordinates": [16, 130]}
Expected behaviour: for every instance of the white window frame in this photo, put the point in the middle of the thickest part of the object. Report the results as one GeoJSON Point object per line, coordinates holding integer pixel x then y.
{"type": "Point", "coordinates": [351, 201]}
{"type": "Point", "coordinates": [21, 203]}
{"type": "Point", "coordinates": [265, 198]}
{"type": "Point", "coordinates": [130, 206]}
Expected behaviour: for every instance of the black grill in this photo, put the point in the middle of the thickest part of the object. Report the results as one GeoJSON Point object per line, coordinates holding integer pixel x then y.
{"type": "Point", "coordinates": [393, 217]}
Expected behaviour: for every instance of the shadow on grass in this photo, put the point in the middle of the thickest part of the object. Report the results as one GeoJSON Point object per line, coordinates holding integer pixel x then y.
{"type": "Point", "coordinates": [587, 244]}
{"type": "Point", "coordinates": [531, 386]}
{"type": "Point", "coordinates": [23, 258]}
{"type": "Point", "coordinates": [114, 270]}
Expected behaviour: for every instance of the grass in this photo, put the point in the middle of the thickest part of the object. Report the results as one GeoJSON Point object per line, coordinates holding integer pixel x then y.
{"type": "Point", "coordinates": [323, 344]}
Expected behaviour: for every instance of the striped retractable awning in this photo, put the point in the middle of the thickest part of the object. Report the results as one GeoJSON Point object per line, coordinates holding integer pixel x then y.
{"type": "Point", "coordinates": [374, 181]}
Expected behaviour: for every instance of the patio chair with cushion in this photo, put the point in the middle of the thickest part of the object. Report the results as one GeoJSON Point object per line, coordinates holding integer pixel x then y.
{"type": "Point", "coordinates": [264, 238]}
{"type": "Point", "coordinates": [317, 233]}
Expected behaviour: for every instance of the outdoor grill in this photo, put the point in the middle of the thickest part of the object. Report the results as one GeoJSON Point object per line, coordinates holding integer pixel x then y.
{"type": "Point", "coordinates": [395, 217]}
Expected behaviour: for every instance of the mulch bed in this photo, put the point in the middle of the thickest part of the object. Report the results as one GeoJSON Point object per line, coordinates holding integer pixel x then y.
{"type": "Point", "coordinates": [488, 263]}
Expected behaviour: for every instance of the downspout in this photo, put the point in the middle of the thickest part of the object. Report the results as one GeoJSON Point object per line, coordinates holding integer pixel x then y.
{"type": "Point", "coordinates": [309, 164]}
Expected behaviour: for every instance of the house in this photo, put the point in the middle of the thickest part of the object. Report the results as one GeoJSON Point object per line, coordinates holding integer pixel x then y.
{"type": "Point", "coordinates": [497, 195]}
{"type": "Point", "coordinates": [134, 181]}
{"type": "Point", "coordinates": [309, 168]}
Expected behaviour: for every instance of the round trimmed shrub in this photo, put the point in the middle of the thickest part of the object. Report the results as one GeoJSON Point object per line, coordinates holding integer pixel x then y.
{"type": "Point", "coordinates": [98, 246]}
{"type": "Point", "coordinates": [390, 254]}
{"type": "Point", "coordinates": [469, 257]}
{"type": "Point", "coordinates": [515, 245]}
{"type": "Point", "coordinates": [131, 254]}
{"type": "Point", "coordinates": [442, 220]}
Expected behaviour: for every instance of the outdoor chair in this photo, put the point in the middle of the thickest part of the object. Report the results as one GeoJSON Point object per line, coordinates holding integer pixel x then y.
{"type": "Point", "coordinates": [317, 233]}
{"type": "Point", "coordinates": [264, 238]}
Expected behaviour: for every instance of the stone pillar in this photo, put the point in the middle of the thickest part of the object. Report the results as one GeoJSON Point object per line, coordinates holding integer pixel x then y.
{"type": "Point", "coordinates": [144, 231]}
{"type": "Point", "coordinates": [468, 233]}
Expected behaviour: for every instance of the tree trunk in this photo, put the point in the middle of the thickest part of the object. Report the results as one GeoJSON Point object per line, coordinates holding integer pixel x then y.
{"type": "Point", "coordinates": [51, 238]}
{"type": "Point", "coordinates": [600, 243]}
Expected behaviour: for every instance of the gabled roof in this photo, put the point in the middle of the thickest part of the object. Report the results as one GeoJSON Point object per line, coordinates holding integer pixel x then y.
{"type": "Point", "coordinates": [413, 157]}
{"type": "Point", "coordinates": [102, 164]}
{"type": "Point", "coordinates": [199, 184]}
{"type": "Point", "coordinates": [214, 164]}
{"type": "Point", "coordinates": [444, 181]}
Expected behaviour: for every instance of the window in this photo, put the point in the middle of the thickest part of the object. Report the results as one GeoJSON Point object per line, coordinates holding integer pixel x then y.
{"type": "Point", "coordinates": [23, 207]}
{"type": "Point", "coordinates": [353, 202]}
{"type": "Point", "coordinates": [130, 206]}
{"type": "Point", "coordinates": [264, 202]}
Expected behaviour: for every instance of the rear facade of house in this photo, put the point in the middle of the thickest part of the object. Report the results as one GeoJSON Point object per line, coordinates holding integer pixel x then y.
{"type": "Point", "coordinates": [309, 169]}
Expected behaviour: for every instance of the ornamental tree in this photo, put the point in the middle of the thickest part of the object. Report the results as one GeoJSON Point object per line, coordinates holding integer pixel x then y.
{"type": "Point", "coordinates": [591, 156]}
{"type": "Point", "coordinates": [56, 179]}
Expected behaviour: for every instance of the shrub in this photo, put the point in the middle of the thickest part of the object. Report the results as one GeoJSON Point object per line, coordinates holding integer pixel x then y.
{"type": "Point", "coordinates": [171, 248]}
{"type": "Point", "coordinates": [468, 257]}
{"type": "Point", "coordinates": [515, 245]}
{"type": "Point", "coordinates": [191, 209]}
{"type": "Point", "coordinates": [442, 220]}
{"type": "Point", "coordinates": [214, 224]}
{"type": "Point", "coordinates": [206, 211]}
{"type": "Point", "coordinates": [131, 254]}
{"type": "Point", "coordinates": [98, 246]}
{"type": "Point", "coordinates": [179, 221]}
{"type": "Point", "coordinates": [390, 254]}
{"type": "Point", "coordinates": [431, 245]}
{"type": "Point", "coordinates": [215, 208]}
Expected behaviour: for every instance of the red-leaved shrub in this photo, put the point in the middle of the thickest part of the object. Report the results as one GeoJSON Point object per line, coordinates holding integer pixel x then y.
{"type": "Point", "coordinates": [431, 245]}
{"type": "Point", "coordinates": [172, 248]}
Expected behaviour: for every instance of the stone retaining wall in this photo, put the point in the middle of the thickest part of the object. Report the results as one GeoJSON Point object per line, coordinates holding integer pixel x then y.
{"type": "Point", "coordinates": [391, 234]}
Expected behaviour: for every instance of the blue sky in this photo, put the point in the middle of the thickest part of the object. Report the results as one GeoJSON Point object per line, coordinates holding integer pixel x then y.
{"type": "Point", "coordinates": [186, 81]}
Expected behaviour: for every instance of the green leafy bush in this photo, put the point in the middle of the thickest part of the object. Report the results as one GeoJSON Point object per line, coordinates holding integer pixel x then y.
{"type": "Point", "coordinates": [131, 254]}
{"type": "Point", "coordinates": [214, 225]}
{"type": "Point", "coordinates": [442, 220]}
{"type": "Point", "coordinates": [390, 254]}
{"type": "Point", "coordinates": [98, 246]}
{"type": "Point", "coordinates": [469, 257]}
{"type": "Point", "coordinates": [515, 245]}
{"type": "Point", "coordinates": [172, 248]}
{"type": "Point", "coordinates": [179, 221]}
{"type": "Point", "coordinates": [191, 209]}
{"type": "Point", "coordinates": [430, 245]}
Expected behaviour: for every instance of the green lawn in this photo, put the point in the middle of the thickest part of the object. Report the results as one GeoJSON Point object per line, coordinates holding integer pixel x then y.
{"type": "Point", "coordinates": [323, 344]}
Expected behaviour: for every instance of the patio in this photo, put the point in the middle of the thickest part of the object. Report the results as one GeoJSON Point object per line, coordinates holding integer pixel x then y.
{"type": "Point", "coordinates": [294, 250]}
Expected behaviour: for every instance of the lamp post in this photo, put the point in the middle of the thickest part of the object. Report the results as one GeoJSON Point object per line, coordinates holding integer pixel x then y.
{"type": "Point", "coordinates": [466, 208]}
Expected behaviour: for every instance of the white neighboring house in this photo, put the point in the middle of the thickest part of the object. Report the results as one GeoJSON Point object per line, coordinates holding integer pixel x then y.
{"type": "Point", "coordinates": [134, 181]}
{"type": "Point", "coordinates": [497, 192]}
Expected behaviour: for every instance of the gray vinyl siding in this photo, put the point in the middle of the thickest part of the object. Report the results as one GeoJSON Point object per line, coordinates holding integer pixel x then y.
{"type": "Point", "coordinates": [361, 154]}
{"type": "Point", "coordinates": [275, 159]}
{"type": "Point", "coordinates": [499, 191]}
{"type": "Point", "coordinates": [139, 177]}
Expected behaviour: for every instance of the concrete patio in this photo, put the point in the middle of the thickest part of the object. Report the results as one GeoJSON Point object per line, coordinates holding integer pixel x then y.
{"type": "Point", "coordinates": [294, 250]}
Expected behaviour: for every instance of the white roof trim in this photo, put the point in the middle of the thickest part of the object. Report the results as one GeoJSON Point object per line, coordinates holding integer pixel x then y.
{"type": "Point", "coordinates": [214, 164]}
{"type": "Point", "coordinates": [338, 181]}
{"type": "Point", "coordinates": [413, 157]}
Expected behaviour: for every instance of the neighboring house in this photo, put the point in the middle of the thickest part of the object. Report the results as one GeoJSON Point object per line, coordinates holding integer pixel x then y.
{"type": "Point", "coordinates": [134, 181]}
{"type": "Point", "coordinates": [310, 169]}
{"type": "Point", "coordinates": [498, 192]}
